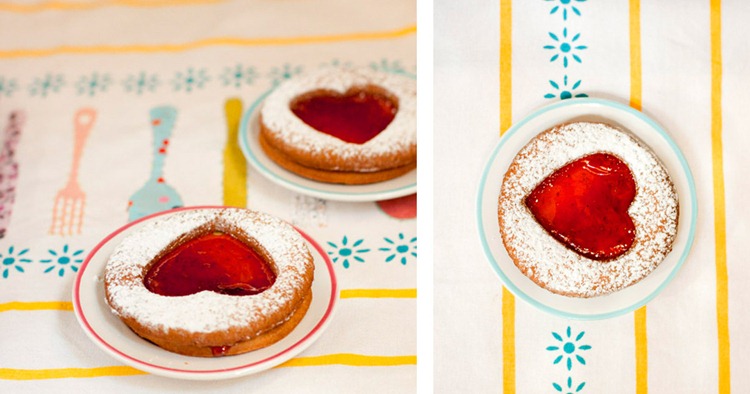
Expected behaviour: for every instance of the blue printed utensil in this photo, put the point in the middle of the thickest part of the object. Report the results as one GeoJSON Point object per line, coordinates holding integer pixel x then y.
{"type": "Point", "coordinates": [156, 195]}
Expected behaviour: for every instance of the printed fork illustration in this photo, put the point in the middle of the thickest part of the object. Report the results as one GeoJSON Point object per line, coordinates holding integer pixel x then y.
{"type": "Point", "coordinates": [67, 213]}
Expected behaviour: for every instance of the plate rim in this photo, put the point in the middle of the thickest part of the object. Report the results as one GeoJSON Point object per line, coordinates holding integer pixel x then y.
{"type": "Point", "coordinates": [586, 102]}
{"type": "Point", "coordinates": [290, 185]}
{"type": "Point", "coordinates": [214, 374]}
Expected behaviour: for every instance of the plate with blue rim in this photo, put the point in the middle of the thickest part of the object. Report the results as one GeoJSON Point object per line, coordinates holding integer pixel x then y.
{"type": "Point", "coordinates": [598, 110]}
{"type": "Point", "coordinates": [249, 131]}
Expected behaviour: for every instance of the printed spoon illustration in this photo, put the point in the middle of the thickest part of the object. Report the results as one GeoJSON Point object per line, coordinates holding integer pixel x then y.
{"type": "Point", "coordinates": [156, 195]}
{"type": "Point", "coordinates": [9, 167]}
{"type": "Point", "coordinates": [67, 213]}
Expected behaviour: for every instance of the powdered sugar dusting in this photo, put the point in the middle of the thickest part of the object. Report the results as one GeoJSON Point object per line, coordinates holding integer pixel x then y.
{"type": "Point", "coordinates": [399, 135]}
{"type": "Point", "coordinates": [205, 311]}
{"type": "Point", "coordinates": [561, 270]}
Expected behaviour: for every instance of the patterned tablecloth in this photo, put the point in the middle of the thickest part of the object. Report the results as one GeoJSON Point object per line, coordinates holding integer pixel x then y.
{"type": "Point", "coordinates": [684, 64]}
{"type": "Point", "coordinates": [81, 84]}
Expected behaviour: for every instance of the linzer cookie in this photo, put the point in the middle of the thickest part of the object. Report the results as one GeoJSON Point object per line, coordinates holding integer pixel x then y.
{"type": "Point", "coordinates": [585, 209]}
{"type": "Point", "coordinates": [342, 126]}
{"type": "Point", "coordinates": [211, 282]}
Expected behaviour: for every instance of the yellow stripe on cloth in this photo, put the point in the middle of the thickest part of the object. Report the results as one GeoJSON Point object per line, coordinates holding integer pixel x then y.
{"type": "Point", "coordinates": [349, 359]}
{"type": "Point", "coordinates": [641, 351]}
{"type": "Point", "coordinates": [378, 293]}
{"type": "Point", "coordinates": [506, 116]}
{"type": "Point", "coordinates": [59, 373]}
{"type": "Point", "coordinates": [509, 342]}
{"type": "Point", "coordinates": [356, 360]}
{"type": "Point", "coordinates": [235, 164]}
{"type": "Point", "coordinates": [635, 55]}
{"type": "Point", "coordinates": [89, 5]}
{"type": "Point", "coordinates": [636, 97]}
{"type": "Point", "coordinates": [36, 306]}
{"type": "Point", "coordinates": [717, 153]}
{"type": "Point", "coordinates": [205, 43]}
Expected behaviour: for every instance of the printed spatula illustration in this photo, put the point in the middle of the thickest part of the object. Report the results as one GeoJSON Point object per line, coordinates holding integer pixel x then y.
{"type": "Point", "coordinates": [156, 195]}
{"type": "Point", "coordinates": [70, 202]}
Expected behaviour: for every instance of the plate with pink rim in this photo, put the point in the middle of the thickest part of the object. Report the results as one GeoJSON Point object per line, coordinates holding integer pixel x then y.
{"type": "Point", "coordinates": [116, 339]}
{"type": "Point", "coordinates": [597, 110]}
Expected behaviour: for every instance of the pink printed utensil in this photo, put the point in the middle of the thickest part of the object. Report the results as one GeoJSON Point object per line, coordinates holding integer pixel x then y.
{"type": "Point", "coordinates": [67, 213]}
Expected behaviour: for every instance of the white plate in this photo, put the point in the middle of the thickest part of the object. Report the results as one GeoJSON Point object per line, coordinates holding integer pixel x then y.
{"type": "Point", "coordinates": [646, 130]}
{"type": "Point", "coordinates": [116, 339]}
{"type": "Point", "coordinates": [250, 129]}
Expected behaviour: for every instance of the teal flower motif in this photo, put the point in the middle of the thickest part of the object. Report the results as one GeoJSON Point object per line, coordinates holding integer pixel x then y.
{"type": "Point", "coordinates": [569, 387]}
{"type": "Point", "coordinates": [569, 349]}
{"type": "Point", "coordinates": [92, 84]}
{"type": "Point", "coordinates": [346, 252]}
{"type": "Point", "coordinates": [388, 66]}
{"type": "Point", "coordinates": [140, 83]}
{"type": "Point", "coordinates": [49, 83]}
{"type": "Point", "coordinates": [12, 260]}
{"type": "Point", "coordinates": [563, 6]}
{"type": "Point", "coordinates": [190, 80]}
{"type": "Point", "coordinates": [62, 260]}
{"type": "Point", "coordinates": [400, 248]}
{"type": "Point", "coordinates": [8, 86]}
{"type": "Point", "coordinates": [280, 74]}
{"type": "Point", "coordinates": [564, 92]}
{"type": "Point", "coordinates": [564, 47]}
{"type": "Point", "coordinates": [238, 75]}
{"type": "Point", "coordinates": [337, 64]}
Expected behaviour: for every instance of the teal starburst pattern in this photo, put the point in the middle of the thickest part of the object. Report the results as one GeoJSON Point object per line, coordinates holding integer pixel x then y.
{"type": "Point", "coordinates": [400, 249]}
{"type": "Point", "coordinates": [62, 260]}
{"type": "Point", "coordinates": [568, 388]}
{"type": "Point", "coordinates": [563, 6]}
{"type": "Point", "coordinates": [392, 66]}
{"type": "Point", "coordinates": [280, 74]}
{"type": "Point", "coordinates": [44, 85]}
{"type": "Point", "coordinates": [190, 79]}
{"type": "Point", "coordinates": [238, 75]}
{"type": "Point", "coordinates": [140, 83]}
{"type": "Point", "coordinates": [569, 348]}
{"type": "Point", "coordinates": [563, 91]}
{"type": "Point", "coordinates": [565, 47]}
{"type": "Point", "coordinates": [337, 63]}
{"type": "Point", "coordinates": [12, 261]}
{"type": "Point", "coordinates": [8, 86]}
{"type": "Point", "coordinates": [346, 253]}
{"type": "Point", "coordinates": [90, 85]}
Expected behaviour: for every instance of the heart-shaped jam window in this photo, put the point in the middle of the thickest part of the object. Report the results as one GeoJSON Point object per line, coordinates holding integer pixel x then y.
{"type": "Point", "coordinates": [356, 116]}
{"type": "Point", "coordinates": [585, 205]}
{"type": "Point", "coordinates": [215, 262]}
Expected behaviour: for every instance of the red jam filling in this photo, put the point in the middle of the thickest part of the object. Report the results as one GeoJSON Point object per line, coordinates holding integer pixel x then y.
{"type": "Point", "coordinates": [356, 116]}
{"type": "Point", "coordinates": [220, 350]}
{"type": "Point", "coordinates": [213, 262]}
{"type": "Point", "coordinates": [585, 204]}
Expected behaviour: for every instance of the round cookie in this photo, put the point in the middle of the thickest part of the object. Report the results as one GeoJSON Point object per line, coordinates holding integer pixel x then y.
{"type": "Point", "coordinates": [550, 263]}
{"type": "Point", "coordinates": [208, 323]}
{"type": "Point", "coordinates": [320, 155]}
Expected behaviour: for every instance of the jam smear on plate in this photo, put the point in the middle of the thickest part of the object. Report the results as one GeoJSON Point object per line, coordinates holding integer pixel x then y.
{"type": "Point", "coordinates": [584, 205]}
